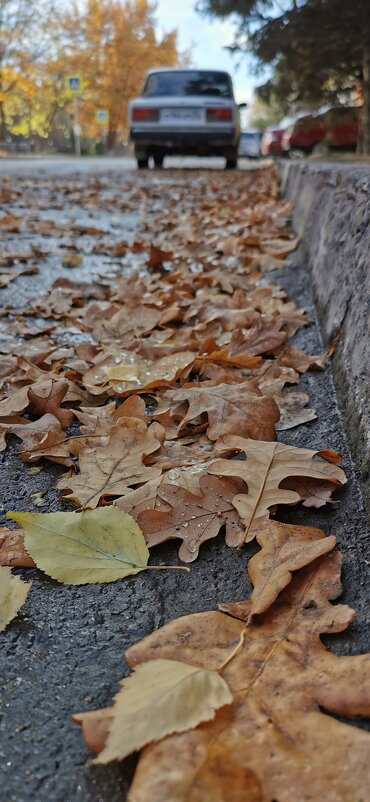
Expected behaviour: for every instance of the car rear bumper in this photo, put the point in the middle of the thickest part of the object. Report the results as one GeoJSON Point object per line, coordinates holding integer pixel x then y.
{"type": "Point", "coordinates": [186, 142]}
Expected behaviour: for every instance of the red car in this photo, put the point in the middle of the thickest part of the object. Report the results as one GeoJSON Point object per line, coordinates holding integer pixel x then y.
{"type": "Point", "coordinates": [303, 134]}
{"type": "Point", "coordinates": [271, 142]}
{"type": "Point", "coordinates": [341, 127]}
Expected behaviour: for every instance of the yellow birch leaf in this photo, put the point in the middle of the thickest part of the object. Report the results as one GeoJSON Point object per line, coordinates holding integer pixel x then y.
{"type": "Point", "coordinates": [161, 697]}
{"type": "Point", "coordinates": [99, 545]}
{"type": "Point", "coordinates": [13, 594]}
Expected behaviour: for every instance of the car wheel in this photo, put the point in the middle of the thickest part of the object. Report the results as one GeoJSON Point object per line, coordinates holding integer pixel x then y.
{"type": "Point", "coordinates": [231, 156]}
{"type": "Point", "coordinates": [142, 163]}
{"type": "Point", "coordinates": [158, 159]}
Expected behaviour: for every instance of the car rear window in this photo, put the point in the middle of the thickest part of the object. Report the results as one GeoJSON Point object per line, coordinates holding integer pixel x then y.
{"type": "Point", "coordinates": [250, 137]}
{"type": "Point", "coordinates": [189, 82]}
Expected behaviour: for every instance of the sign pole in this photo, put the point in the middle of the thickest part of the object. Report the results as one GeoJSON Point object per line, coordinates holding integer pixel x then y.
{"type": "Point", "coordinates": [76, 126]}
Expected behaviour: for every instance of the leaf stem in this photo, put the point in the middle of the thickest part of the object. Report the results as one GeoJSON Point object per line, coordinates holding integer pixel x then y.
{"type": "Point", "coordinates": [167, 568]}
{"type": "Point", "coordinates": [234, 651]}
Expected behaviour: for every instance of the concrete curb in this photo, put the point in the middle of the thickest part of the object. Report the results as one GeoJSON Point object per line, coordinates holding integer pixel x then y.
{"type": "Point", "coordinates": [331, 215]}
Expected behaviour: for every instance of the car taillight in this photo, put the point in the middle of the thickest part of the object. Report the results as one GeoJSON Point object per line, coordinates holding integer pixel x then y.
{"type": "Point", "coordinates": [145, 114]}
{"type": "Point", "coordinates": [219, 115]}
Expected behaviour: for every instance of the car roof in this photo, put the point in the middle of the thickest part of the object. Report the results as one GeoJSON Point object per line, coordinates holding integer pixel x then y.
{"type": "Point", "coordinates": [185, 69]}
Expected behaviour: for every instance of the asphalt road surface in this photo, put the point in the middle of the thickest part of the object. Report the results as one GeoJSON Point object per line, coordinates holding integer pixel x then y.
{"type": "Point", "coordinates": [64, 652]}
{"type": "Point", "coordinates": [90, 165]}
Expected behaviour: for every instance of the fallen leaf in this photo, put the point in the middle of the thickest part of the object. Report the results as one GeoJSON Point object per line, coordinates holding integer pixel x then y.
{"type": "Point", "coordinates": [72, 260]}
{"type": "Point", "coordinates": [313, 492]}
{"type": "Point", "coordinates": [285, 685]}
{"type": "Point", "coordinates": [157, 256]}
{"type": "Point", "coordinates": [264, 337]}
{"type": "Point", "coordinates": [297, 359]}
{"type": "Point", "coordinates": [46, 397]}
{"type": "Point", "coordinates": [285, 548]}
{"type": "Point", "coordinates": [13, 594]}
{"type": "Point", "coordinates": [280, 248]}
{"type": "Point", "coordinates": [230, 409]}
{"type": "Point", "coordinates": [12, 551]}
{"type": "Point", "coordinates": [116, 468]}
{"type": "Point", "coordinates": [92, 546]}
{"type": "Point", "coordinates": [292, 410]}
{"type": "Point", "coordinates": [192, 518]}
{"type": "Point", "coordinates": [265, 467]}
{"type": "Point", "coordinates": [160, 697]}
{"type": "Point", "coordinates": [38, 498]}
{"type": "Point", "coordinates": [128, 372]}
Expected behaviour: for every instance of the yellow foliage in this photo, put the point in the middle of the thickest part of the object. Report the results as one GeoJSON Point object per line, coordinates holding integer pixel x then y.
{"type": "Point", "coordinates": [110, 43]}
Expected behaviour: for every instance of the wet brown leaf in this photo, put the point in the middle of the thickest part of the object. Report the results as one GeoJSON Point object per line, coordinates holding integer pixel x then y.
{"type": "Point", "coordinates": [264, 469]}
{"type": "Point", "coordinates": [229, 409]}
{"type": "Point", "coordinates": [285, 685]}
{"type": "Point", "coordinates": [116, 468]}
{"type": "Point", "coordinates": [12, 550]}
{"type": "Point", "coordinates": [46, 398]}
{"type": "Point", "coordinates": [192, 518]}
{"type": "Point", "coordinates": [284, 548]}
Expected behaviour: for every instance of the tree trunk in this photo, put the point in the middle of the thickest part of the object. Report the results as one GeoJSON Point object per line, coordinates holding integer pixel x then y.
{"type": "Point", "coordinates": [3, 128]}
{"type": "Point", "coordinates": [111, 139]}
{"type": "Point", "coordinates": [365, 116]}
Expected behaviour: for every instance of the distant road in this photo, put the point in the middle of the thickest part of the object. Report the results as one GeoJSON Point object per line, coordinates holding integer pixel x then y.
{"type": "Point", "coordinates": [62, 165]}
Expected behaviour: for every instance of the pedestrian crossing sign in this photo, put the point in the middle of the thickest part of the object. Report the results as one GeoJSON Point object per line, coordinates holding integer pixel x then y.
{"type": "Point", "coordinates": [74, 83]}
{"type": "Point", "coordinates": [102, 116]}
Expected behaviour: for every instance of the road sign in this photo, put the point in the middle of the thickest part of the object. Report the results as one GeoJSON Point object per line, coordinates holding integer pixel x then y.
{"type": "Point", "coordinates": [74, 83]}
{"type": "Point", "coordinates": [102, 116]}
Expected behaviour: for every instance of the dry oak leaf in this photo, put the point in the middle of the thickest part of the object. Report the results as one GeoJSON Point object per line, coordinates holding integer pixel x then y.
{"type": "Point", "coordinates": [41, 438]}
{"type": "Point", "coordinates": [230, 409]}
{"type": "Point", "coordinates": [313, 492]}
{"type": "Point", "coordinates": [126, 372]}
{"type": "Point", "coordinates": [264, 337]}
{"type": "Point", "coordinates": [193, 518]}
{"type": "Point", "coordinates": [139, 320]}
{"type": "Point", "coordinates": [159, 698]}
{"type": "Point", "coordinates": [265, 467]}
{"type": "Point", "coordinates": [282, 678]}
{"type": "Point", "coordinates": [292, 410]}
{"type": "Point", "coordinates": [295, 358]}
{"type": "Point", "coordinates": [13, 594]}
{"type": "Point", "coordinates": [12, 551]}
{"type": "Point", "coordinates": [46, 397]}
{"type": "Point", "coordinates": [118, 467]}
{"type": "Point", "coordinates": [234, 784]}
{"type": "Point", "coordinates": [284, 548]}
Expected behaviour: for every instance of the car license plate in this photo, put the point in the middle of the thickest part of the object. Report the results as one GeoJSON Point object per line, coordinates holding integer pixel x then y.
{"type": "Point", "coordinates": [182, 116]}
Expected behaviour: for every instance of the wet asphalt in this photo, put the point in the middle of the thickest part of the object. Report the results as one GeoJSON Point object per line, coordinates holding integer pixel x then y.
{"type": "Point", "coordinates": [64, 651]}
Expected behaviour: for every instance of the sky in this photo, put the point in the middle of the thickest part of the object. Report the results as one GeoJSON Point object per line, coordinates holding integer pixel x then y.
{"type": "Point", "coordinates": [207, 38]}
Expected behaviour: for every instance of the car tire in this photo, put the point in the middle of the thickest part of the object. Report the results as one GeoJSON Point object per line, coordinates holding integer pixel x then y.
{"type": "Point", "coordinates": [231, 156]}
{"type": "Point", "coordinates": [142, 163]}
{"type": "Point", "coordinates": [158, 160]}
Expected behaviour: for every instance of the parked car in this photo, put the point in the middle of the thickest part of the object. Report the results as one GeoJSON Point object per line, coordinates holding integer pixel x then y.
{"type": "Point", "coordinates": [341, 127]}
{"type": "Point", "coordinates": [302, 135]}
{"type": "Point", "coordinates": [331, 129]}
{"type": "Point", "coordinates": [185, 112]}
{"type": "Point", "coordinates": [250, 144]}
{"type": "Point", "coordinates": [271, 142]}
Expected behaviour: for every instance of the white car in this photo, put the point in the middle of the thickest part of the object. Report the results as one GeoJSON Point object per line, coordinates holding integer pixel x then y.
{"type": "Point", "coordinates": [249, 144]}
{"type": "Point", "coordinates": [185, 112]}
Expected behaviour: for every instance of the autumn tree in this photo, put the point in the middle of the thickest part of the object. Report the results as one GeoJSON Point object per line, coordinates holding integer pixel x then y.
{"type": "Point", "coordinates": [319, 49]}
{"type": "Point", "coordinates": [22, 43]}
{"type": "Point", "coordinates": [112, 44]}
